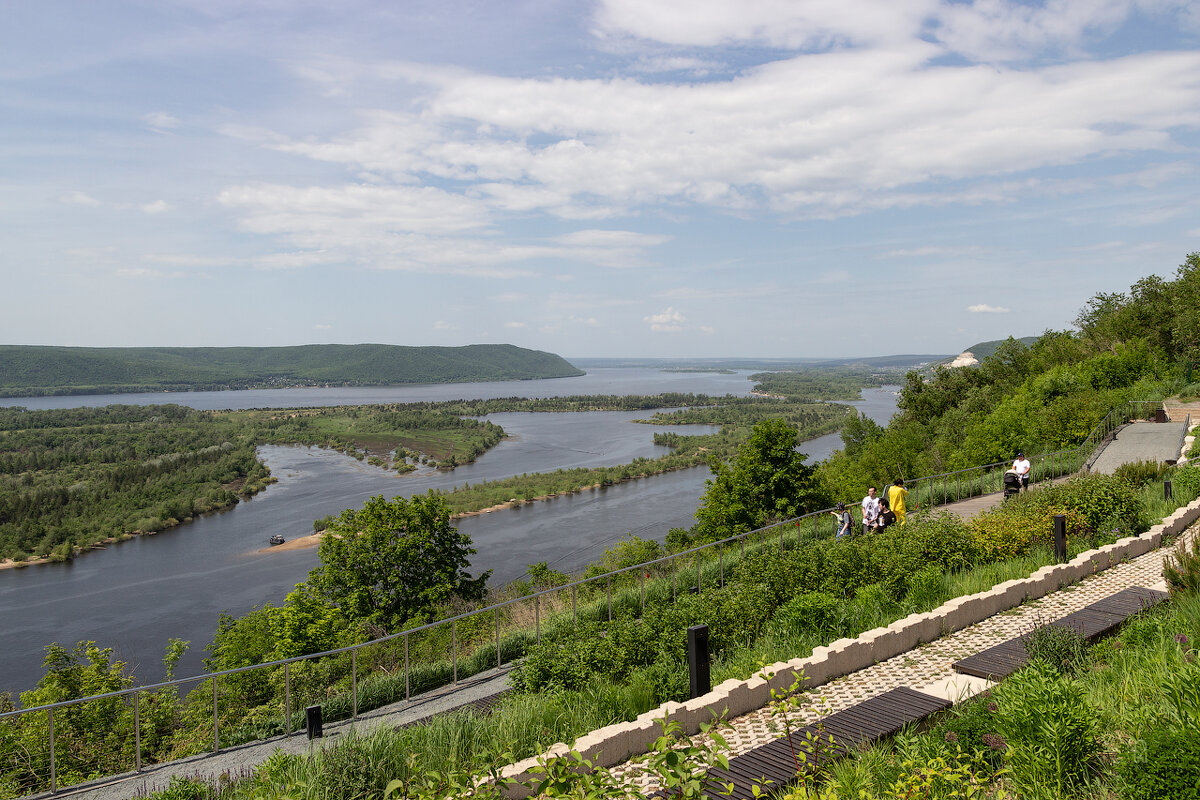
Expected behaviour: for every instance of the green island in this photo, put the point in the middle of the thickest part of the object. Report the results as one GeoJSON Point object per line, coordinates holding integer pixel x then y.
{"type": "Point", "coordinates": [1119, 720]}
{"type": "Point", "coordinates": [32, 371]}
{"type": "Point", "coordinates": [71, 479]}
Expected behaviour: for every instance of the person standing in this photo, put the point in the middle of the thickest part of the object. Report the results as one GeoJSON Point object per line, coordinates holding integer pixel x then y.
{"type": "Point", "coordinates": [1022, 467]}
{"type": "Point", "coordinates": [886, 518]}
{"type": "Point", "coordinates": [843, 518]}
{"type": "Point", "coordinates": [870, 510]}
{"type": "Point", "coordinates": [898, 499]}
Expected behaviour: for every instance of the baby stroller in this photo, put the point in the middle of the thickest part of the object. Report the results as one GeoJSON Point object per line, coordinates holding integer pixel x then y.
{"type": "Point", "coordinates": [1012, 484]}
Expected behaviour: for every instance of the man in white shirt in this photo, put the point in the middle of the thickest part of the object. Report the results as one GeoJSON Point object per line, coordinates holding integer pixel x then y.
{"type": "Point", "coordinates": [870, 510]}
{"type": "Point", "coordinates": [1022, 466]}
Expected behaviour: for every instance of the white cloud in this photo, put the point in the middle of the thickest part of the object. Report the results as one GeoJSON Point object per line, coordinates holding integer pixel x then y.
{"type": "Point", "coordinates": [78, 198]}
{"type": "Point", "coordinates": [321, 326]}
{"type": "Point", "coordinates": [157, 207]}
{"type": "Point", "coordinates": [145, 273]}
{"type": "Point", "coordinates": [514, 324]}
{"type": "Point", "coordinates": [669, 321]}
{"type": "Point", "coordinates": [933, 250]}
{"type": "Point", "coordinates": [777, 23]}
{"type": "Point", "coordinates": [161, 121]}
{"type": "Point", "coordinates": [820, 134]}
{"type": "Point", "coordinates": [442, 325]}
{"type": "Point", "coordinates": [984, 308]}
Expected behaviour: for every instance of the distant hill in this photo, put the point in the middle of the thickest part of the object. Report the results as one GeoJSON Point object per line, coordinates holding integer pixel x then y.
{"type": "Point", "coordinates": [762, 364]}
{"type": "Point", "coordinates": [27, 371]}
{"type": "Point", "coordinates": [982, 350]}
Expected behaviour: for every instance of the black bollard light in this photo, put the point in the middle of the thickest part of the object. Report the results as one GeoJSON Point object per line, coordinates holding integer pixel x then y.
{"type": "Point", "coordinates": [1167, 492]}
{"type": "Point", "coordinates": [699, 673]}
{"type": "Point", "coordinates": [312, 722]}
{"type": "Point", "coordinates": [1060, 537]}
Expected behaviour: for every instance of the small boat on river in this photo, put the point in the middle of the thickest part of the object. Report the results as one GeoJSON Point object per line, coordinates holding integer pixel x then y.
{"type": "Point", "coordinates": [276, 539]}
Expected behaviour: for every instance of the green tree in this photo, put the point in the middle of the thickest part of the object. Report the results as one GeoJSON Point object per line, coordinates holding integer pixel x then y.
{"type": "Point", "coordinates": [395, 561]}
{"type": "Point", "coordinates": [766, 479]}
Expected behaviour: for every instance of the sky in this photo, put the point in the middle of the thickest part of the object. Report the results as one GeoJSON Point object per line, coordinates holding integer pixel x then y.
{"type": "Point", "coordinates": [658, 178]}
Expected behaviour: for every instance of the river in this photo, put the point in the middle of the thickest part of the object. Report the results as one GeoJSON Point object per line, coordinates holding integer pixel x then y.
{"type": "Point", "coordinates": [136, 595]}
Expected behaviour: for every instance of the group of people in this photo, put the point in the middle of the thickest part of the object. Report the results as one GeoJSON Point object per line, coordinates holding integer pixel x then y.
{"type": "Point", "coordinates": [878, 513]}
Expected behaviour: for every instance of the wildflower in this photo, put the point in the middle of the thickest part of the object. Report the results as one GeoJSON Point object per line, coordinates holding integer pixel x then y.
{"type": "Point", "coordinates": [993, 707]}
{"type": "Point", "coordinates": [995, 741]}
{"type": "Point", "coordinates": [1181, 638]}
{"type": "Point", "coordinates": [951, 737]}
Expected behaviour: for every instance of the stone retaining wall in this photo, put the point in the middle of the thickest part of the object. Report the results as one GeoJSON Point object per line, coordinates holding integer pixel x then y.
{"type": "Point", "coordinates": [617, 743]}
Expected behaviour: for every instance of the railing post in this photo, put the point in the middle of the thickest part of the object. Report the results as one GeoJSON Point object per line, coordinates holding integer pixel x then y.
{"type": "Point", "coordinates": [354, 683]}
{"type": "Point", "coordinates": [497, 637]}
{"type": "Point", "coordinates": [454, 648]}
{"type": "Point", "coordinates": [216, 719]}
{"type": "Point", "coordinates": [721, 564]}
{"type": "Point", "coordinates": [642, 581]}
{"type": "Point", "coordinates": [137, 734]}
{"type": "Point", "coordinates": [287, 699]}
{"type": "Point", "coordinates": [537, 617]}
{"type": "Point", "coordinates": [407, 685]}
{"type": "Point", "coordinates": [574, 613]}
{"type": "Point", "coordinates": [610, 597]}
{"type": "Point", "coordinates": [53, 765]}
{"type": "Point", "coordinates": [672, 578]}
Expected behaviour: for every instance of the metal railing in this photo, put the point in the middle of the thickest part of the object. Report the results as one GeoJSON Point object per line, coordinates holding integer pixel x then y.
{"type": "Point", "coordinates": [636, 583]}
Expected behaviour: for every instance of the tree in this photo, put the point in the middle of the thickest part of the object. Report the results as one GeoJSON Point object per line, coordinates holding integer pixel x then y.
{"type": "Point", "coordinates": [395, 561]}
{"type": "Point", "coordinates": [766, 479]}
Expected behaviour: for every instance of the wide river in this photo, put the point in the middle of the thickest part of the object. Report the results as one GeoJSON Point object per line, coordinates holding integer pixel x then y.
{"type": "Point", "coordinates": [136, 595]}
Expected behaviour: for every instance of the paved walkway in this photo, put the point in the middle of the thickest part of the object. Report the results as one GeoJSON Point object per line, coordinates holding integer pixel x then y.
{"type": "Point", "coordinates": [1140, 441]}
{"type": "Point", "coordinates": [927, 668]}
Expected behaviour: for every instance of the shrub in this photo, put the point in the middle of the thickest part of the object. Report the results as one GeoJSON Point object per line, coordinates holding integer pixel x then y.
{"type": "Point", "coordinates": [972, 726]}
{"type": "Point", "coordinates": [943, 540]}
{"type": "Point", "coordinates": [1051, 732]}
{"type": "Point", "coordinates": [1185, 481]}
{"type": "Point", "coordinates": [1164, 764]}
{"type": "Point", "coordinates": [1181, 569]}
{"type": "Point", "coordinates": [817, 612]}
{"type": "Point", "coordinates": [1060, 647]}
{"type": "Point", "coordinates": [1140, 473]}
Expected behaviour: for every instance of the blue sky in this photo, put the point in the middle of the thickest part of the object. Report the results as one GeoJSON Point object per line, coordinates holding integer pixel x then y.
{"type": "Point", "coordinates": [666, 178]}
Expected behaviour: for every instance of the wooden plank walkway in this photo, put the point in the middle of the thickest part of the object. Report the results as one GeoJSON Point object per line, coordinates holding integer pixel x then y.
{"type": "Point", "coordinates": [774, 765]}
{"type": "Point", "coordinates": [1091, 622]}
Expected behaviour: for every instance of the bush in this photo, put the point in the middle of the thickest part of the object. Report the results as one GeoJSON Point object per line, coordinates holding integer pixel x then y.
{"type": "Point", "coordinates": [1164, 764]}
{"type": "Point", "coordinates": [1140, 473]}
{"type": "Point", "coordinates": [972, 726]}
{"type": "Point", "coordinates": [1051, 731]}
{"type": "Point", "coordinates": [943, 540]}
{"type": "Point", "coordinates": [815, 612]}
{"type": "Point", "coordinates": [1059, 647]}
{"type": "Point", "coordinates": [1181, 569]}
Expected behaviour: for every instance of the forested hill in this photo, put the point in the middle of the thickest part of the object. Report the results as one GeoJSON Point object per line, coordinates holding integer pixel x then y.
{"type": "Point", "coordinates": [27, 371]}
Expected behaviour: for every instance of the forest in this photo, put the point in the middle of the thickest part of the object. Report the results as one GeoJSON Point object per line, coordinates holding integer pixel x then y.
{"type": "Point", "coordinates": [31, 371]}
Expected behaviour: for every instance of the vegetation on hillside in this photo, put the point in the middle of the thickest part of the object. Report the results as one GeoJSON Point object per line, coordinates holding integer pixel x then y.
{"type": "Point", "coordinates": [29, 371]}
{"type": "Point", "coordinates": [783, 595]}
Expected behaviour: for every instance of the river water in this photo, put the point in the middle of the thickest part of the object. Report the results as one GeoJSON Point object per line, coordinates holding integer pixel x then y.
{"type": "Point", "coordinates": [135, 595]}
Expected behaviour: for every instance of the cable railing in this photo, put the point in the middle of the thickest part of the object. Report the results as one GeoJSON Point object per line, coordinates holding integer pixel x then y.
{"type": "Point", "coordinates": [492, 636]}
